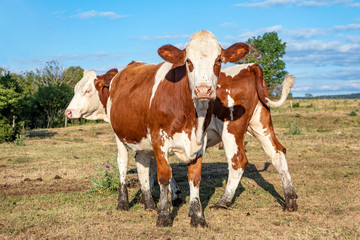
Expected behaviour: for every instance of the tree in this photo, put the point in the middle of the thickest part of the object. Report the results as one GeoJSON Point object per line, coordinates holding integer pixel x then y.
{"type": "Point", "coordinates": [309, 96]}
{"type": "Point", "coordinates": [72, 75]}
{"type": "Point", "coordinates": [54, 91]}
{"type": "Point", "coordinates": [52, 100]}
{"type": "Point", "coordinates": [267, 51]}
{"type": "Point", "coordinates": [55, 74]}
{"type": "Point", "coordinates": [11, 96]}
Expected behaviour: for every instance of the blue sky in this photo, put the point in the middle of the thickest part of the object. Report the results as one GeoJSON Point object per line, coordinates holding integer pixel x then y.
{"type": "Point", "coordinates": [323, 37]}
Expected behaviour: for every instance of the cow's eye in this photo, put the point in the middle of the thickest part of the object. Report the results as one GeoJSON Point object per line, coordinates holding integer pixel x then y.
{"type": "Point", "coordinates": [187, 60]}
{"type": "Point", "coordinates": [220, 60]}
{"type": "Point", "coordinates": [87, 91]}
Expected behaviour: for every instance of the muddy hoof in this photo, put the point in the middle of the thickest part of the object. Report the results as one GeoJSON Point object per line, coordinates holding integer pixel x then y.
{"type": "Point", "coordinates": [164, 220]}
{"type": "Point", "coordinates": [177, 202]}
{"type": "Point", "coordinates": [198, 221]}
{"type": "Point", "coordinates": [150, 205]}
{"type": "Point", "coordinates": [123, 206]}
{"type": "Point", "coordinates": [291, 205]}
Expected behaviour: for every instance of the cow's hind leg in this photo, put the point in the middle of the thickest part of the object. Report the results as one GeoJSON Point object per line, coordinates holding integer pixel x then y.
{"type": "Point", "coordinates": [143, 164]}
{"type": "Point", "coordinates": [262, 129]}
{"type": "Point", "coordinates": [237, 161]}
{"type": "Point", "coordinates": [122, 161]}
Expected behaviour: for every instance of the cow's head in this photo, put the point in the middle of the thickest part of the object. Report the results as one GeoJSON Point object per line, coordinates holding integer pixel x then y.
{"type": "Point", "coordinates": [86, 102]}
{"type": "Point", "coordinates": [203, 56]}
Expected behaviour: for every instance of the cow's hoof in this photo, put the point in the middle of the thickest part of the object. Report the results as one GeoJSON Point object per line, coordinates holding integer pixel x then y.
{"type": "Point", "coordinates": [123, 206]}
{"type": "Point", "coordinates": [148, 201]}
{"type": "Point", "coordinates": [290, 202]}
{"type": "Point", "coordinates": [123, 199]}
{"type": "Point", "coordinates": [164, 220]}
{"type": "Point", "coordinates": [198, 221]}
{"type": "Point", "coordinates": [291, 205]}
{"type": "Point", "coordinates": [177, 202]}
{"type": "Point", "coordinates": [150, 205]}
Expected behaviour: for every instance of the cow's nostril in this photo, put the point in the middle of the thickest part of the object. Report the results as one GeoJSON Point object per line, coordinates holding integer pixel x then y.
{"type": "Point", "coordinates": [203, 92]}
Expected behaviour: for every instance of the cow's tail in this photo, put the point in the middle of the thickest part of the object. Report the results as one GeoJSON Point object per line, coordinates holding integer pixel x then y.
{"type": "Point", "coordinates": [262, 89]}
{"type": "Point", "coordinates": [287, 85]}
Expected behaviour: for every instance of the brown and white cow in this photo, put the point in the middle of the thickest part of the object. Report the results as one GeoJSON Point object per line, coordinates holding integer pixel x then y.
{"type": "Point", "coordinates": [242, 105]}
{"type": "Point", "coordinates": [155, 109]}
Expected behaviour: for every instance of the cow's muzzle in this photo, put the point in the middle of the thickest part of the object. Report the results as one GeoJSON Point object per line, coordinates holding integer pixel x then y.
{"type": "Point", "coordinates": [203, 92]}
{"type": "Point", "coordinates": [68, 113]}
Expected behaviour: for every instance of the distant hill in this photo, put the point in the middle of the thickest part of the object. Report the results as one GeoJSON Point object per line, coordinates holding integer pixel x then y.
{"type": "Point", "coordinates": [342, 96]}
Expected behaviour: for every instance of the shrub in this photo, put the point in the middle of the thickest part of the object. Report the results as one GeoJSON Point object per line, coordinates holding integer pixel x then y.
{"type": "Point", "coordinates": [295, 129]}
{"type": "Point", "coordinates": [7, 132]}
{"type": "Point", "coordinates": [353, 114]}
{"type": "Point", "coordinates": [20, 140]}
{"type": "Point", "coordinates": [296, 105]}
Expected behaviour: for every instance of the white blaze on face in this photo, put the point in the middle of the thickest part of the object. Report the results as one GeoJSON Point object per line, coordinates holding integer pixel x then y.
{"type": "Point", "coordinates": [86, 102]}
{"type": "Point", "coordinates": [202, 50]}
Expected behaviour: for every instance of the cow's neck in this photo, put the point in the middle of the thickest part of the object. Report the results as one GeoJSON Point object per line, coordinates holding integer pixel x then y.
{"type": "Point", "coordinates": [201, 108]}
{"type": "Point", "coordinates": [198, 136]}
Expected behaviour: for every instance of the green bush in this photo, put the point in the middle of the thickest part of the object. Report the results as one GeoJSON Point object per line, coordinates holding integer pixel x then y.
{"type": "Point", "coordinates": [295, 129]}
{"type": "Point", "coordinates": [353, 114]}
{"type": "Point", "coordinates": [20, 140]}
{"type": "Point", "coordinates": [7, 132]}
{"type": "Point", "coordinates": [296, 105]}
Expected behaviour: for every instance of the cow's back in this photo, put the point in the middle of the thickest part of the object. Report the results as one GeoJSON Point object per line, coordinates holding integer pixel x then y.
{"type": "Point", "coordinates": [236, 94]}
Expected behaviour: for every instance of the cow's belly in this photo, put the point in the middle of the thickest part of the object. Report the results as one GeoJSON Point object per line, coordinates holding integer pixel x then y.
{"type": "Point", "coordinates": [185, 148]}
{"type": "Point", "coordinates": [143, 145]}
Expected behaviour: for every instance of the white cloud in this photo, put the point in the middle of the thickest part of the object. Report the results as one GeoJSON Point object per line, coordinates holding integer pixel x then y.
{"type": "Point", "coordinates": [229, 25]}
{"type": "Point", "coordinates": [94, 13]}
{"type": "Point", "coordinates": [353, 38]}
{"type": "Point", "coordinates": [59, 12]}
{"type": "Point", "coordinates": [298, 3]}
{"type": "Point", "coordinates": [146, 38]}
{"type": "Point", "coordinates": [246, 35]}
{"type": "Point", "coordinates": [349, 27]}
{"type": "Point", "coordinates": [142, 38]}
{"type": "Point", "coordinates": [173, 36]}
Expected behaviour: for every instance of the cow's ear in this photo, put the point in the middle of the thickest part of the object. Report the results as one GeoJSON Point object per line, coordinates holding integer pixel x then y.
{"type": "Point", "coordinates": [172, 54]}
{"type": "Point", "coordinates": [110, 74]}
{"type": "Point", "coordinates": [99, 83]}
{"type": "Point", "coordinates": [235, 52]}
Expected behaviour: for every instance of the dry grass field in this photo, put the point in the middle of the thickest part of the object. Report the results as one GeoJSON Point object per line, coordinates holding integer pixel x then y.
{"type": "Point", "coordinates": [45, 186]}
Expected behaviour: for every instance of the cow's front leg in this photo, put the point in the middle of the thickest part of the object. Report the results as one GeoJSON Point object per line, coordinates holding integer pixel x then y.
{"type": "Point", "coordinates": [122, 161]}
{"type": "Point", "coordinates": [143, 164]}
{"type": "Point", "coordinates": [174, 187]}
{"type": "Point", "coordinates": [164, 178]}
{"type": "Point", "coordinates": [194, 176]}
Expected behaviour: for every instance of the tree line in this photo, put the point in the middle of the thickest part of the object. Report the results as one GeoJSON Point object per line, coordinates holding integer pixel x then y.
{"type": "Point", "coordinates": [37, 99]}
